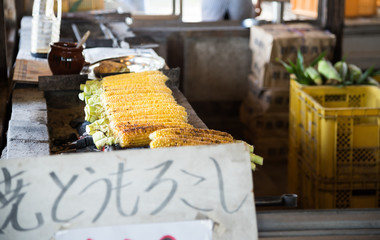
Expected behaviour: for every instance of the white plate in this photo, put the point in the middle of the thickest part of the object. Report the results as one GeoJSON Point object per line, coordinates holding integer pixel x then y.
{"type": "Point", "coordinates": [135, 63]}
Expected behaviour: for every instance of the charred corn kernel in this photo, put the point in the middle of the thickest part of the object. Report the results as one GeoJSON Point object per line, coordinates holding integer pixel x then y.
{"type": "Point", "coordinates": [148, 80]}
{"type": "Point", "coordinates": [138, 89]}
{"type": "Point", "coordinates": [138, 136]}
{"type": "Point", "coordinates": [192, 132]}
{"type": "Point", "coordinates": [179, 111]}
{"type": "Point", "coordinates": [139, 102]}
{"type": "Point", "coordinates": [171, 137]}
{"type": "Point", "coordinates": [177, 140]}
{"type": "Point", "coordinates": [147, 119]}
{"type": "Point", "coordinates": [136, 97]}
{"type": "Point", "coordinates": [143, 105]}
{"type": "Point", "coordinates": [139, 105]}
{"type": "Point", "coordinates": [145, 81]}
{"type": "Point", "coordinates": [135, 77]}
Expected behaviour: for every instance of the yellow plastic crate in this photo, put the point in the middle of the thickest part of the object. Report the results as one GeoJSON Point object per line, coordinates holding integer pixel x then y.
{"type": "Point", "coordinates": [293, 169]}
{"type": "Point", "coordinates": [319, 193]}
{"type": "Point", "coordinates": [336, 131]}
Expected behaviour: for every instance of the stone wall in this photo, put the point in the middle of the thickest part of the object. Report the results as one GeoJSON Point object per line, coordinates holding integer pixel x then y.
{"type": "Point", "coordinates": [27, 132]}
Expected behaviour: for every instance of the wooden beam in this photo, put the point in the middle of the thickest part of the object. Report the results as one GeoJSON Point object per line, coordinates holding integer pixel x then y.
{"type": "Point", "coordinates": [331, 17]}
{"type": "Point", "coordinates": [3, 77]}
{"type": "Point", "coordinates": [3, 48]}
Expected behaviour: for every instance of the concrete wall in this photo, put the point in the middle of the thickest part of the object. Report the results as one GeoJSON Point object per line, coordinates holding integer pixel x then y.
{"type": "Point", "coordinates": [214, 58]}
{"type": "Point", "coordinates": [361, 44]}
{"type": "Point", "coordinates": [216, 68]}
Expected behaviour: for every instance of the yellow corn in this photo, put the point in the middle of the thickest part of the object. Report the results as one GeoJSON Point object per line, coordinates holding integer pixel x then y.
{"type": "Point", "coordinates": [137, 104]}
{"type": "Point", "coordinates": [174, 141]}
{"type": "Point", "coordinates": [136, 89]}
{"type": "Point", "coordinates": [152, 112]}
{"type": "Point", "coordinates": [138, 135]}
{"type": "Point", "coordinates": [147, 76]}
{"type": "Point", "coordinates": [147, 119]}
{"type": "Point", "coordinates": [170, 137]}
{"type": "Point", "coordinates": [191, 132]}
{"type": "Point", "coordinates": [135, 97]}
{"type": "Point", "coordinates": [143, 105]}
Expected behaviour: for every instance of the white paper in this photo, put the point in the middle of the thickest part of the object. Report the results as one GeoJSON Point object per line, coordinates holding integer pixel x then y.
{"type": "Point", "coordinates": [189, 230]}
{"type": "Point", "coordinates": [41, 196]}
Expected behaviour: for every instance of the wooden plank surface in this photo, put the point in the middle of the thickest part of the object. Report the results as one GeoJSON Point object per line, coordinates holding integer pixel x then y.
{"type": "Point", "coordinates": [319, 224]}
{"type": "Point", "coordinates": [28, 68]}
{"type": "Point", "coordinates": [28, 71]}
{"type": "Point", "coordinates": [193, 118]}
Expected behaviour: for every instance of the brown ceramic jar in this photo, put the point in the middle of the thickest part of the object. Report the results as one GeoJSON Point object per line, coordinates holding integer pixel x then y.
{"type": "Point", "coordinates": [64, 58]}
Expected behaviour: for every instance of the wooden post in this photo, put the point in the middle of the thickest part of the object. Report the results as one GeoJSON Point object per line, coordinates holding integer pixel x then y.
{"type": "Point", "coordinates": [331, 17]}
{"type": "Point", "coordinates": [3, 77]}
{"type": "Point", "coordinates": [3, 49]}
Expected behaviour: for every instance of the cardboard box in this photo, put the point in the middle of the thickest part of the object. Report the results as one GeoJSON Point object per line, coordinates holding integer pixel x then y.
{"type": "Point", "coordinates": [270, 148]}
{"type": "Point", "coordinates": [265, 124]}
{"type": "Point", "coordinates": [270, 75]}
{"type": "Point", "coordinates": [266, 99]}
{"type": "Point", "coordinates": [272, 41]}
{"type": "Point", "coordinates": [81, 5]}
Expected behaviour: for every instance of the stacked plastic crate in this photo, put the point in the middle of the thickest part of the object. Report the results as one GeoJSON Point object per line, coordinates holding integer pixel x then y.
{"type": "Point", "coordinates": [265, 109]}
{"type": "Point", "coordinates": [334, 159]}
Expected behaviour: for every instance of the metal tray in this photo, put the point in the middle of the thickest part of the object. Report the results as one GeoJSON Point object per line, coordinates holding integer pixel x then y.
{"type": "Point", "coordinates": [135, 63]}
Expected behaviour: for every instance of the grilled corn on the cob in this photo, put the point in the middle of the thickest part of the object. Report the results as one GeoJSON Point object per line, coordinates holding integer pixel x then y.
{"type": "Point", "coordinates": [138, 135]}
{"type": "Point", "coordinates": [135, 105]}
{"type": "Point", "coordinates": [182, 136]}
{"type": "Point", "coordinates": [171, 137]}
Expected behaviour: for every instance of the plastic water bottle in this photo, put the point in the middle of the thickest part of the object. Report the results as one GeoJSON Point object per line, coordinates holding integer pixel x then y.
{"type": "Point", "coordinates": [46, 26]}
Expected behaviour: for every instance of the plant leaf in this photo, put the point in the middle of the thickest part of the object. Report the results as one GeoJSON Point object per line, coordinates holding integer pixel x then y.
{"type": "Point", "coordinates": [377, 73]}
{"type": "Point", "coordinates": [300, 61]}
{"type": "Point", "coordinates": [315, 61]}
{"type": "Point", "coordinates": [365, 75]}
{"type": "Point", "coordinates": [288, 68]}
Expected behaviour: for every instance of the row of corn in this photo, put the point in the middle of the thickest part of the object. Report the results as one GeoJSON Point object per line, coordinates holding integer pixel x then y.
{"type": "Point", "coordinates": [139, 110]}
{"type": "Point", "coordinates": [323, 72]}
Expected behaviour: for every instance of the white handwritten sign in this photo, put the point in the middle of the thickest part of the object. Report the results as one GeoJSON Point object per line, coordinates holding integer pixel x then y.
{"type": "Point", "coordinates": [41, 196]}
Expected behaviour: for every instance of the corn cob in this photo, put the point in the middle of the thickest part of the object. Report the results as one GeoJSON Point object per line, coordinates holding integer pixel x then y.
{"type": "Point", "coordinates": [174, 141]}
{"type": "Point", "coordinates": [135, 97]}
{"type": "Point", "coordinates": [313, 75]}
{"type": "Point", "coordinates": [136, 136]}
{"type": "Point", "coordinates": [143, 83]}
{"type": "Point", "coordinates": [143, 105]}
{"type": "Point", "coordinates": [137, 89]}
{"type": "Point", "coordinates": [138, 104]}
{"type": "Point", "coordinates": [130, 114]}
{"type": "Point", "coordinates": [147, 119]}
{"type": "Point", "coordinates": [109, 85]}
{"type": "Point", "coordinates": [326, 69]}
{"type": "Point", "coordinates": [190, 132]}
{"type": "Point", "coordinates": [170, 137]}
{"type": "Point", "coordinates": [142, 102]}
{"type": "Point", "coordinates": [147, 76]}
{"type": "Point", "coordinates": [136, 78]}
